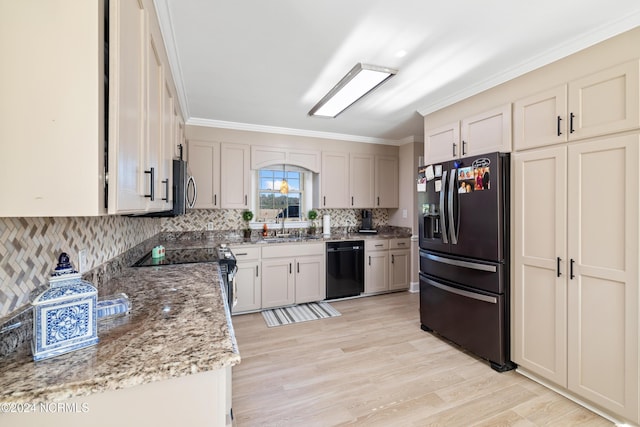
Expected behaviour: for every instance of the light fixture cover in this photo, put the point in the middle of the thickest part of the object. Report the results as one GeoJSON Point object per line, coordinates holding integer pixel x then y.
{"type": "Point", "coordinates": [362, 79]}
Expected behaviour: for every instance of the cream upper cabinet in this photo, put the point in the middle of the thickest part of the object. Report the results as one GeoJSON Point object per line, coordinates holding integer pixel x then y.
{"type": "Point", "coordinates": [604, 102]}
{"type": "Point", "coordinates": [204, 166]}
{"type": "Point", "coordinates": [598, 104]}
{"type": "Point", "coordinates": [540, 119]}
{"type": "Point", "coordinates": [361, 180]}
{"type": "Point", "coordinates": [334, 179]}
{"type": "Point", "coordinates": [487, 132]}
{"type": "Point", "coordinates": [262, 156]}
{"type": "Point", "coordinates": [576, 269]}
{"type": "Point", "coordinates": [235, 176]}
{"type": "Point", "coordinates": [442, 144]}
{"type": "Point", "coordinates": [61, 123]}
{"type": "Point", "coordinates": [386, 182]}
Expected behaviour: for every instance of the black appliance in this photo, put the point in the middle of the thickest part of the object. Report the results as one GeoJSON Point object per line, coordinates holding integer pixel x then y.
{"type": "Point", "coordinates": [367, 222]}
{"type": "Point", "coordinates": [345, 269]}
{"type": "Point", "coordinates": [464, 254]}
{"type": "Point", "coordinates": [221, 254]}
{"type": "Point", "coordinates": [184, 190]}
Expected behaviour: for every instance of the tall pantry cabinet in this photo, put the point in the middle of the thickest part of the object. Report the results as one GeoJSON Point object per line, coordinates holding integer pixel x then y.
{"type": "Point", "coordinates": [576, 244]}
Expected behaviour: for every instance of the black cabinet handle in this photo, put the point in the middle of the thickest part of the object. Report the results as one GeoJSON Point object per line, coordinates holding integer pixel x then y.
{"type": "Point", "coordinates": [298, 267]}
{"type": "Point", "coordinates": [559, 120]}
{"type": "Point", "coordinates": [571, 117]}
{"type": "Point", "coordinates": [324, 200]}
{"type": "Point", "coordinates": [289, 268]}
{"type": "Point", "coordinates": [558, 266]}
{"type": "Point", "coordinates": [393, 260]}
{"type": "Point", "coordinates": [378, 200]}
{"type": "Point", "coordinates": [571, 275]}
{"type": "Point", "coordinates": [351, 200]}
{"type": "Point", "coordinates": [245, 199]}
{"type": "Point", "coordinates": [166, 189]}
{"type": "Point", "coordinates": [256, 271]}
{"type": "Point", "coordinates": [454, 149]}
{"type": "Point", "coordinates": [463, 148]}
{"type": "Point", "coordinates": [215, 200]}
{"type": "Point", "coordinates": [369, 260]}
{"type": "Point", "coordinates": [153, 178]}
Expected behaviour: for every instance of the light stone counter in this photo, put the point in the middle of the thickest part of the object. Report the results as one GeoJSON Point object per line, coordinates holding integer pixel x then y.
{"type": "Point", "coordinates": [178, 326]}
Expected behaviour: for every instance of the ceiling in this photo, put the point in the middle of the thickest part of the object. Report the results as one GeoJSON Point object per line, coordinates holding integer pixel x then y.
{"type": "Point", "coordinates": [262, 65]}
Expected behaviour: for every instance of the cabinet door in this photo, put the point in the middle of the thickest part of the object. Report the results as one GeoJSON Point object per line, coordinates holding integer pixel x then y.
{"type": "Point", "coordinates": [487, 132]}
{"type": "Point", "coordinates": [376, 275]}
{"type": "Point", "coordinates": [540, 119]}
{"type": "Point", "coordinates": [235, 176]}
{"type": "Point", "coordinates": [399, 269]}
{"type": "Point", "coordinates": [248, 287]}
{"type": "Point", "coordinates": [539, 288]}
{"type": "Point", "coordinates": [603, 285]}
{"type": "Point", "coordinates": [361, 182]}
{"type": "Point", "coordinates": [153, 139]}
{"type": "Point", "coordinates": [168, 140]}
{"type": "Point", "coordinates": [334, 179]}
{"type": "Point", "coordinates": [604, 102]}
{"type": "Point", "coordinates": [310, 279]}
{"type": "Point", "coordinates": [442, 144]}
{"type": "Point", "coordinates": [278, 282]}
{"type": "Point", "coordinates": [126, 109]}
{"type": "Point", "coordinates": [204, 165]}
{"type": "Point", "coordinates": [387, 186]}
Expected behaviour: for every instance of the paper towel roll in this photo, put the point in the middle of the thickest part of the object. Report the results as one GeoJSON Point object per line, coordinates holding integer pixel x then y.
{"type": "Point", "coordinates": [326, 225]}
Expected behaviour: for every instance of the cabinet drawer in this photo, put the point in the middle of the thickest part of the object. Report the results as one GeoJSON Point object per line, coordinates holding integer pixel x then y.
{"type": "Point", "coordinates": [376, 244]}
{"type": "Point", "coordinates": [404, 243]}
{"type": "Point", "coordinates": [245, 253]}
{"type": "Point", "coordinates": [283, 250]}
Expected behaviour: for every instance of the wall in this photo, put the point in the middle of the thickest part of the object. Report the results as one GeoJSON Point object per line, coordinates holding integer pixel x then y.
{"type": "Point", "coordinates": [29, 248]}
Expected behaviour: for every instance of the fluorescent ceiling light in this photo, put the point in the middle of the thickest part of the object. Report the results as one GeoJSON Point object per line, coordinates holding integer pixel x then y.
{"type": "Point", "coordinates": [362, 79]}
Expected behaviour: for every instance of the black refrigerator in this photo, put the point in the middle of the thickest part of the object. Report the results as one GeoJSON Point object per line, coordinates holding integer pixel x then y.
{"type": "Point", "coordinates": [464, 254]}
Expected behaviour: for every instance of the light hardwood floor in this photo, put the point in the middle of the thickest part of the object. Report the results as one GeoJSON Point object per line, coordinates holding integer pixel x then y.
{"type": "Point", "coordinates": [374, 366]}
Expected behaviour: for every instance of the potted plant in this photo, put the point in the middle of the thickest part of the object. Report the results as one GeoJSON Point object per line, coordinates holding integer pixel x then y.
{"type": "Point", "coordinates": [247, 216]}
{"type": "Point", "coordinates": [312, 215]}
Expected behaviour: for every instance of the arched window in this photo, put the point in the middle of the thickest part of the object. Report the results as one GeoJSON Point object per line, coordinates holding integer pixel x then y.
{"type": "Point", "coordinates": [281, 192]}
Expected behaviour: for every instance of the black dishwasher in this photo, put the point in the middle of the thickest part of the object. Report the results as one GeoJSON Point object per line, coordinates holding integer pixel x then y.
{"type": "Point", "coordinates": [345, 269]}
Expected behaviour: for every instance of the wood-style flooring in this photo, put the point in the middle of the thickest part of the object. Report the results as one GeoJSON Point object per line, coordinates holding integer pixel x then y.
{"type": "Point", "coordinates": [374, 366]}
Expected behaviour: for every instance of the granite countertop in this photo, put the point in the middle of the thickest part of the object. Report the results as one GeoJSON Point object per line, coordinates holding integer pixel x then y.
{"type": "Point", "coordinates": [178, 325]}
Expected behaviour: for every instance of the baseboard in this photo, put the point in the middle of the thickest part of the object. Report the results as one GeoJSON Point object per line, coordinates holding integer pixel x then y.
{"type": "Point", "coordinates": [414, 287]}
{"type": "Point", "coordinates": [561, 391]}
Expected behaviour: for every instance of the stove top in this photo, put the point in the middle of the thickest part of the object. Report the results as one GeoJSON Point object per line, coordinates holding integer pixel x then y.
{"type": "Point", "coordinates": [180, 256]}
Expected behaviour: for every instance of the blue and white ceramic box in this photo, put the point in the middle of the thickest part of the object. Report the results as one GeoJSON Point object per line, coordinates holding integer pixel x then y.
{"type": "Point", "coordinates": [64, 316]}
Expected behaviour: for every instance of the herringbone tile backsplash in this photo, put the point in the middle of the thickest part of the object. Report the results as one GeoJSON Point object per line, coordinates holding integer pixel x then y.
{"type": "Point", "coordinates": [29, 248]}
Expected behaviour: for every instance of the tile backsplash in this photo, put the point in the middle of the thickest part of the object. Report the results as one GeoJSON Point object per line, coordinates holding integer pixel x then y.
{"type": "Point", "coordinates": [29, 248]}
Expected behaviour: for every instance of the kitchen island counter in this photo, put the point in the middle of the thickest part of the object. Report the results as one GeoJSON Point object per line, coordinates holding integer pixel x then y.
{"type": "Point", "coordinates": [178, 326]}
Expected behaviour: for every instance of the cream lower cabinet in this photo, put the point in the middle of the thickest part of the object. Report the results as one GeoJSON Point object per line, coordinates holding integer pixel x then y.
{"type": "Point", "coordinates": [248, 290]}
{"type": "Point", "coordinates": [575, 287]}
{"type": "Point", "coordinates": [376, 267]}
{"type": "Point", "coordinates": [399, 264]}
{"type": "Point", "coordinates": [292, 274]}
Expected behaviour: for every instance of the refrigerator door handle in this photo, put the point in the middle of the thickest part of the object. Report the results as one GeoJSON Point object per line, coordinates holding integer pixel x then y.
{"type": "Point", "coordinates": [443, 223]}
{"type": "Point", "coordinates": [459, 263]}
{"type": "Point", "coordinates": [466, 294]}
{"type": "Point", "coordinates": [453, 225]}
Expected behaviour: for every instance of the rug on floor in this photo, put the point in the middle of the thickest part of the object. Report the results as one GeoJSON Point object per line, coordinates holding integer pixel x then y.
{"type": "Point", "coordinates": [299, 313]}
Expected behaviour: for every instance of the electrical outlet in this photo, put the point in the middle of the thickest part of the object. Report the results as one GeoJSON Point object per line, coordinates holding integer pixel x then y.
{"type": "Point", "coordinates": [404, 213]}
{"type": "Point", "coordinates": [210, 226]}
{"type": "Point", "coordinates": [82, 261]}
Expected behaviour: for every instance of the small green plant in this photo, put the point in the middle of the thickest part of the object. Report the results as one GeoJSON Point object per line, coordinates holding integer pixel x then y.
{"type": "Point", "coordinates": [247, 216]}
{"type": "Point", "coordinates": [312, 215]}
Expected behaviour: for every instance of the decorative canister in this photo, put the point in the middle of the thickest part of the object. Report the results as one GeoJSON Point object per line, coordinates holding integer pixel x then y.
{"type": "Point", "coordinates": [64, 316]}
